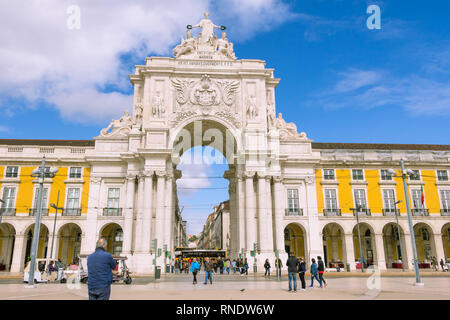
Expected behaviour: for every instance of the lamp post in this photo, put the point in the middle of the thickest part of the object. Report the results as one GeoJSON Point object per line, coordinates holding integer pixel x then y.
{"type": "Point", "coordinates": [408, 211]}
{"type": "Point", "coordinates": [54, 222]}
{"type": "Point", "coordinates": [39, 173]}
{"type": "Point", "coordinates": [358, 207]}
{"type": "Point", "coordinates": [399, 234]}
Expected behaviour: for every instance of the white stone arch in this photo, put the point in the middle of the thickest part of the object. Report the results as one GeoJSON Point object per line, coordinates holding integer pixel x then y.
{"type": "Point", "coordinates": [394, 249]}
{"type": "Point", "coordinates": [7, 237]}
{"type": "Point", "coordinates": [25, 227]}
{"type": "Point", "coordinates": [445, 238]}
{"type": "Point", "coordinates": [304, 229]}
{"type": "Point", "coordinates": [112, 243]}
{"type": "Point", "coordinates": [236, 132]}
{"type": "Point", "coordinates": [67, 247]}
{"type": "Point", "coordinates": [425, 245]}
{"type": "Point", "coordinates": [333, 243]}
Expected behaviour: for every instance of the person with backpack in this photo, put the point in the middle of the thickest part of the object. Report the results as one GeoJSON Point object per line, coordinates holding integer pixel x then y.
{"type": "Point", "coordinates": [321, 270]}
{"type": "Point", "coordinates": [278, 266]}
{"type": "Point", "coordinates": [267, 267]}
{"type": "Point", "coordinates": [195, 267]}
{"type": "Point", "coordinates": [301, 273]}
{"type": "Point", "coordinates": [314, 273]}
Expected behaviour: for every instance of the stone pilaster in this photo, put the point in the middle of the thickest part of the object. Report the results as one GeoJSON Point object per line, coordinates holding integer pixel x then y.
{"type": "Point", "coordinates": [349, 251]}
{"type": "Point", "coordinates": [17, 264]}
{"type": "Point", "coordinates": [250, 209]}
{"type": "Point", "coordinates": [147, 211]}
{"type": "Point", "coordinates": [381, 260]}
{"type": "Point", "coordinates": [128, 215]}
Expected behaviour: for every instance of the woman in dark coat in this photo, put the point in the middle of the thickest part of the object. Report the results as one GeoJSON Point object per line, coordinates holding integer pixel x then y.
{"type": "Point", "coordinates": [321, 268]}
{"type": "Point", "coordinates": [267, 267]}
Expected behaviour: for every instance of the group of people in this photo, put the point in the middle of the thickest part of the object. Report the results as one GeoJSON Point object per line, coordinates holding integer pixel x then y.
{"type": "Point", "coordinates": [219, 265]}
{"type": "Point", "coordinates": [298, 265]}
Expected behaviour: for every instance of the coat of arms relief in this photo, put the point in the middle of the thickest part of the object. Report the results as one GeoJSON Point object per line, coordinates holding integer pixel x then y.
{"type": "Point", "coordinates": [205, 97]}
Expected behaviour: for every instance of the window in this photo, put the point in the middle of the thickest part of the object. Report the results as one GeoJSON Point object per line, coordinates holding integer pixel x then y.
{"type": "Point", "coordinates": [113, 197]}
{"type": "Point", "coordinates": [75, 173]}
{"type": "Point", "coordinates": [425, 235]}
{"type": "Point", "coordinates": [385, 175]}
{"type": "Point", "coordinates": [118, 235]}
{"type": "Point", "coordinates": [328, 174]}
{"type": "Point", "coordinates": [360, 198]}
{"type": "Point", "coordinates": [389, 200]}
{"type": "Point", "coordinates": [287, 235]}
{"type": "Point", "coordinates": [44, 202]}
{"type": "Point", "coordinates": [330, 199]}
{"type": "Point", "coordinates": [417, 198]}
{"type": "Point", "coordinates": [12, 172]}
{"type": "Point", "coordinates": [73, 200]}
{"type": "Point", "coordinates": [9, 196]}
{"type": "Point", "coordinates": [416, 175]}
{"type": "Point", "coordinates": [357, 174]}
{"type": "Point", "coordinates": [445, 200]}
{"type": "Point", "coordinates": [292, 200]}
{"type": "Point", "coordinates": [442, 175]}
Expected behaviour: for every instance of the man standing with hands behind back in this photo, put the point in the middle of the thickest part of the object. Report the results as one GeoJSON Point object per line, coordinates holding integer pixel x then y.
{"type": "Point", "coordinates": [100, 266]}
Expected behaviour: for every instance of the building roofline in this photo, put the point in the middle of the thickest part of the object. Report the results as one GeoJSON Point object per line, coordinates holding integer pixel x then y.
{"type": "Point", "coordinates": [45, 142]}
{"type": "Point", "coordinates": [379, 146]}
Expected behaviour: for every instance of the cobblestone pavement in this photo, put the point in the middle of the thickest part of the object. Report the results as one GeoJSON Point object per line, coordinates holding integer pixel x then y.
{"type": "Point", "coordinates": [225, 287]}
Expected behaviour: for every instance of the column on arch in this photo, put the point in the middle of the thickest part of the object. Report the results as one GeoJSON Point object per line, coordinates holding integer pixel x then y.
{"type": "Point", "coordinates": [159, 218]}
{"type": "Point", "coordinates": [278, 208]}
{"type": "Point", "coordinates": [381, 259]}
{"type": "Point", "coordinates": [169, 213]}
{"type": "Point", "coordinates": [250, 210]}
{"type": "Point", "coordinates": [264, 216]}
{"type": "Point", "coordinates": [138, 243]}
{"type": "Point", "coordinates": [438, 244]}
{"type": "Point", "coordinates": [350, 250]}
{"type": "Point", "coordinates": [409, 252]}
{"type": "Point", "coordinates": [17, 263]}
{"type": "Point", "coordinates": [128, 214]}
{"type": "Point", "coordinates": [92, 216]}
{"type": "Point", "coordinates": [240, 208]}
{"type": "Point", "coordinates": [147, 211]}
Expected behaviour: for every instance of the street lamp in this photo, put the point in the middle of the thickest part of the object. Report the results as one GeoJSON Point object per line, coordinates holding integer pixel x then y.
{"type": "Point", "coordinates": [41, 173]}
{"type": "Point", "coordinates": [54, 222]}
{"type": "Point", "coordinates": [399, 234]}
{"type": "Point", "coordinates": [409, 173]}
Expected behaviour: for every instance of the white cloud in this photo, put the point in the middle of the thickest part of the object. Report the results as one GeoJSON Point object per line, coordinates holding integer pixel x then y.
{"type": "Point", "coordinates": [4, 129]}
{"type": "Point", "coordinates": [44, 61]}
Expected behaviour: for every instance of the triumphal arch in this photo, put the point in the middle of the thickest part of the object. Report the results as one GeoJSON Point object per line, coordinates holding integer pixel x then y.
{"type": "Point", "coordinates": [204, 95]}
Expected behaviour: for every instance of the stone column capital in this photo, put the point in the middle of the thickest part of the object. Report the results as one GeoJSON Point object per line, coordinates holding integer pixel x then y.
{"type": "Point", "coordinates": [248, 174]}
{"type": "Point", "coordinates": [309, 179]}
{"type": "Point", "coordinates": [277, 179]}
{"type": "Point", "coordinates": [95, 179]}
{"type": "Point", "coordinates": [160, 174]}
{"type": "Point", "coordinates": [148, 172]}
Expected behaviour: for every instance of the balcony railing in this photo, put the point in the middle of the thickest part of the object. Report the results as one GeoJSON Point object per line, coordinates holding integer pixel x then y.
{"type": "Point", "coordinates": [445, 212]}
{"type": "Point", "coordinates": [390, 212]}
{"type": "Point", "coordinates": [112, 212]}
{"type": "Point", "coordinates": [33, 212]}
{"type": "Point", "coordinates": [8, 211]}
{"type": "Point", "coordinates": [71, 212]}
{"type": "Point", "coordinates": [331, 212]}
{"type": "Point", "coordinates": [420, 212]}
{"type": "Point", "coordinates": [361, 212]}
{"type": "Point", "coordinates": [294, 212]}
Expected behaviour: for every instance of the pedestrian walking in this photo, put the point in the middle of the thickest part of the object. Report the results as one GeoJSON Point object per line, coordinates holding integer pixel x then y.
{"type": "Point", "coordinates": [301, 273]}
{"type": "Point", "coordinates": [220, 264]}
{"type": "Point", "coordinates": [434, 263]}
{"type": "Point", "coordinates": [195, 267]}
{"type": "Point", "coordinates": [278, 265]}
{"type": "Point", "coordinates": [233, 265]}
{"type": "Point", "coordinates": [172, 266]}
{"type": "Point", "coordinates": [208, 271]}
{"type": "Point", "coordinates": [100, 265]}
{"type": "Point", "coordinates": [246, 266]}
{"type": "Point", "coordinates": [292, 263]}
{"type": "Point", "coordinates": [267, 267]}
{"type": "Point", "coordinates": [227, 266]}
{"type": "Point", "coordinates": [314, 273]}
{"type": "Point", "coordinates": [321, 270]}
{"type": "Point", "coordinates": [442, 264]}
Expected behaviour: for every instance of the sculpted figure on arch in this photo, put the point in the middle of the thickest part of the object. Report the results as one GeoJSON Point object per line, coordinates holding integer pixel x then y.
{"type": "Point", "coordinates": [252, 109]}
{"type": "Point", "coordinates": [121, 126]}
{"type": "Point", "coordinates": [158, 105]}
{"type": "Point", "coordinates": [207, 33]}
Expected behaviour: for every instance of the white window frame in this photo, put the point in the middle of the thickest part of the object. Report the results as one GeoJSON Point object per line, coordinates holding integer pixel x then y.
{"type": "Point", "coordinates": [395, 197]}
{"type": "Point", "coordinates": [118, 199]}
{"type": "Point", "coordinates": [441, 199]}
{"type": "Point", "coordinates": [325, 198]}
{"type": "Point", "coordinates": [334, 175]}
{"type": "Point", "coordinates": [412, 199]}
{"type": "Point", "coordinates": [420, 176]}
{"type": "Point", "coordinates": [66, 206]}
{"type": "Point", "coordinates": [18, 172]}
{"type": "Point", "coordinates": [381, 175]}
{"type": "Point", "coordinates": [363, 174]}
{"type": "Point", "coordinates": [5, 186]}
{"type": "Point", "coordinates": [35, 194]}
{"type": "Point", "coordinates": [81, 172]}
{"type": "Point", "coordinates": [437, 175]}
{"type": "Point", "coordinates": [365, 196]}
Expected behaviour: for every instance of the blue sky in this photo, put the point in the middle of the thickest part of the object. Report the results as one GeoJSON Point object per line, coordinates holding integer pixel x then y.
{"type": "Point", "coordinates": [340, 81]}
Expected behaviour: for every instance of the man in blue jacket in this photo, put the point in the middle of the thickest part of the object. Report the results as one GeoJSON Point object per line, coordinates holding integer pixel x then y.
{"type": "Point", "coordinates": [100, 266]}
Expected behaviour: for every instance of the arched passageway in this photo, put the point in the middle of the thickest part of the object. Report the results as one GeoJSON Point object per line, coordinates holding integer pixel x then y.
{"type": "Point", "coordinates": [113, 234]}
{"type": "Point", "coordinates": [426, 247]}
{"type": "Point", "coordinates": [394, 246]}
{"type": "Point", "coordinates": [69, 243]}
{"type": "Point", "coordinates": [43, 246]}
{"type": "Point", "coordinates": [295, 240]}
{"type": "Point", "coordinates": [367, 245]}
{"type": "Point", "coordinates": [7, 239]}
{"type": "Point", "coordinates": [334, 246]}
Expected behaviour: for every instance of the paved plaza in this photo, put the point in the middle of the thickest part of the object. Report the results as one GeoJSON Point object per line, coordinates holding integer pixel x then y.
{"type": "Point", "coordinates": [224, 287]}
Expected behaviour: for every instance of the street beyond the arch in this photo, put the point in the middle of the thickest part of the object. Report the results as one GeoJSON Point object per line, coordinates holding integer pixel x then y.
{"type": "Point", "coordinates": [353, 286]}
